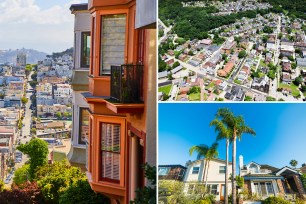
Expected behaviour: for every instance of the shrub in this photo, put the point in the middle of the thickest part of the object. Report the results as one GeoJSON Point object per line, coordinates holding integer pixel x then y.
{"type": "Point", "coordinates": [275, 200]}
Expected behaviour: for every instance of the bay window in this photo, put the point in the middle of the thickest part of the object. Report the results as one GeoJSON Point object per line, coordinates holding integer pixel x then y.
{"type": "Point", "coordinates": [113, 41]}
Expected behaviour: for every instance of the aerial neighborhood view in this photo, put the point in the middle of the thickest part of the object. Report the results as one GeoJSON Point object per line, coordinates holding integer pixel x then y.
{"type": "Point", "coordinates": [78, 102]}
{"type": "Point", "coordinates": [243, 50]}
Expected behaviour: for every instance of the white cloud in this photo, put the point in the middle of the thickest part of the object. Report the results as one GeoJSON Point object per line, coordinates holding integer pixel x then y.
{"type": "Point", "coordinates": [24, 24]}
{"type": "Point", "coordinates": [26, 11]}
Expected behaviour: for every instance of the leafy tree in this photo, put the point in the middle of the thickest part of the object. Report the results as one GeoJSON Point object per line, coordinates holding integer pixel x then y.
{"type": "Point", "coordinates": [293, 163]}
{"type": "Point", "coordinates": [28, 193]}
{"type": "Point", "coordinates": [298, 80]}
{"type": "Point", "coordinates": [80, 192]}
{"type": "Point", "coordinates": [24, 100]}
{"type": "Point", "coordinates": [34, 76]}
{"type": "Point", "coordinates": [303, 88]}
{"type": "Point", "coordinates": [148, 193]}
{"type": "Point", "coordinates": [175, 64]}
{"type": "Point", "coordinates": [22, 175]}
{"type": "Point", "coordinates": [175, 188]}
{"type": "Point", "coordinates": [37, 150]}
{"type": "Point", "coordinates": [205, 151]}
{"type": "Point", "coordinates": [236, 127]}
{"type": "Point", "coordinates": [57, 178]}
{"type": "Point", "coordinates": [194, 89]}
{"type": "Point", "coordinates": [248, 98]}
{"type": "Point", "coordinates": [242, 54]}
{"type": "Point", "coordinates": [162, 66]}
{"type": "Point", "coordinates": [33, 84]}
{"type": "Point", "coordinates": [58, 114]}
{"type": "Point", "coordinates": [223, 133]}
{"type": "Point", "coordinates": [270, 98]}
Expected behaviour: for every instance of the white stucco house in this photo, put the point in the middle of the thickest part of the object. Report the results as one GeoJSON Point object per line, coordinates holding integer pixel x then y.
{"type": "Point", "coordinates": [215, 177]}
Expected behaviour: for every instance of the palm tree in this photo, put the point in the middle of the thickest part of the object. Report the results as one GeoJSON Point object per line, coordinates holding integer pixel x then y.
{"type": "Point", "coordinates": [236, 127]}
{"type": "Point", "coordinates": [223, 133]}
{"type": "Point", "coordinates": [209, 153]}
{"type": "Point", "coordinates": [293, 163]}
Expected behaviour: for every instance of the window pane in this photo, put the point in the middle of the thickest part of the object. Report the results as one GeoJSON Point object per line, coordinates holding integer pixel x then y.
{"type": "Point", "coordinates": [85, 49]}
{"type": "Point", "coordinates": [214, 189]}
{"type": "Point", "coordinates": [269, 188]}
{"type": "Point", "coordinates": [110, 137]}
{"type": "Point", "coordinates": [263, 189]}
{"type": "Point", "coordinates": [112, 41]}
{"type": "Point", "coordinates": [110, 146]}
{"type": "Point", "coordinates": [163, 171]}
{"type": "Point", "coordinates": [84, 129]}
{"type": "Point", "coordinates": [221, 169]}
{"type": "Point", "coordinates": [110, 165]}
{"type": "Point", "coordinates": [195, 170]}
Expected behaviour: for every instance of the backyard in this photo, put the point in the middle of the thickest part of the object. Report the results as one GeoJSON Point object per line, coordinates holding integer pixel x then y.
{"type": "Point", "coordinates": [165, 89]}
{"type": "Point", "coordinates": [294, 89]}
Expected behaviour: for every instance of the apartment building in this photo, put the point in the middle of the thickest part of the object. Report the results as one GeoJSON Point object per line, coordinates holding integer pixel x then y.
{"type": "Point", "coordinates": [121, 96]}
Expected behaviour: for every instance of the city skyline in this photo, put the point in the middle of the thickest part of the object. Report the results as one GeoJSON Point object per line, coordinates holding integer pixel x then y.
{"type": "Point", "coordinates": [282, 122]}
{"type": "Point", "coordinates": [45, 26]}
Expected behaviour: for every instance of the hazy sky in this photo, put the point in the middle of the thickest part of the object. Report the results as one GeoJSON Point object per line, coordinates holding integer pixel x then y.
{"type": "Point", "coordinates": [280, 128]}
{"type": "Point", "coordinates": [44, 25]}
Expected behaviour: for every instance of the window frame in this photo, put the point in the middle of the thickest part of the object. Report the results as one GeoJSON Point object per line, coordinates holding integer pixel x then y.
{"type": "Point", "coordinates": [99, 14]}
{"type": "Point", "coordinates": [193, 170]}
{"type": "Point", "coordinates": [123, 148]}
{"type": "Point", "coordinates": [80, 142]}
{"type": "Point", "coordinates": [222, 171]}
{"type": "Point", "coordinates": [82, 63]}
{"type": "Point", "coordinates": [165, 169]}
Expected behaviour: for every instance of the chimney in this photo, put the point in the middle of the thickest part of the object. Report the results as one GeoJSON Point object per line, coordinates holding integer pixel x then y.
{"type": "Point", "coordinates": [240, 162]}
{"type": "Point", "coordinates": [187, 163]}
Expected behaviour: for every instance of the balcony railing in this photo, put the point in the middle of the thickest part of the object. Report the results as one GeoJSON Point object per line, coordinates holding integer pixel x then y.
{"type": "Point", "coordinates": [126, 83]}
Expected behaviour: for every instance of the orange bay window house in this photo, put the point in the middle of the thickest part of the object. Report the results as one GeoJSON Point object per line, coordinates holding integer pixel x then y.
{"type": "Point", "coordinates": [121, 96]}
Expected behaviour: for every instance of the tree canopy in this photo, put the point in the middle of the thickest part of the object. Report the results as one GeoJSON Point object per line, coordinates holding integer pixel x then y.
{"type": "Point", "coordinates": [37, 150]}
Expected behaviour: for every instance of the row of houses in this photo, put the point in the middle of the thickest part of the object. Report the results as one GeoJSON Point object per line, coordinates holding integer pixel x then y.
{"type": "Point", "coordinates": [259, 179]}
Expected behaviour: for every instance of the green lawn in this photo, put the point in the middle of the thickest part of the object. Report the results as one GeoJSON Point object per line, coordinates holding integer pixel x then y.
{"type": "Point", "coordinates": [262, 63]}
{"type": "Point", "coordinates": [195, 97]}
{"type": "Point", "coordinates": [165, 89]}
{"type": "Point", "coordinates": [210, 85]}
{"type": "Point", "coordinates": [294, 89]}
{"type": "Point", "coordinates": [237, 81]}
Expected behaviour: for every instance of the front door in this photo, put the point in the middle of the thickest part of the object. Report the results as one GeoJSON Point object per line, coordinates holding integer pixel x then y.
{"type": "Point", "coordinates": [222, 190]}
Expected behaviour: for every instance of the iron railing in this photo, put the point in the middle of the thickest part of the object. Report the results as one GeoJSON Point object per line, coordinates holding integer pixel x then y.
{"type": "Point", "coordinates": [126, 83]}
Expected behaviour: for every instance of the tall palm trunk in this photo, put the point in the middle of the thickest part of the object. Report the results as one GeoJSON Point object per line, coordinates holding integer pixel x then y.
{"type": "Point", "coordinates": [226, 174]}
{"type": "Point", "coordinates": [207, 173]}
{"type": "Point", "coordinates": [234, 170]}
{"type": "Point", "coordinates": [204, 172]}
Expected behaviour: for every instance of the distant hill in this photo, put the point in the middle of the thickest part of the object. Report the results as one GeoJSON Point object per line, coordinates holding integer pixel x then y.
{"type": "Point", "coordinates": [69, 51]}
{"type": "Point", "coordinates": [32, 55]}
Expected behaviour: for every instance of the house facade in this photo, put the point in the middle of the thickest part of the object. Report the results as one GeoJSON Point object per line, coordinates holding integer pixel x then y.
{"type": "Point", "coordinates": [215, 177]}
{"type": "Point", "coordinates": [79, 84]}
{"type": "Point", "coordinates": [171, 172]}
{"type": "Point", "coordinates": [266, 180]}
{"type": "Point", "coordinates": [121, 96]}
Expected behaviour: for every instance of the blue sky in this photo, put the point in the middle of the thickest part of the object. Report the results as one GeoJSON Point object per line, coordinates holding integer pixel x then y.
{"type": "Point", "coordinates": [44, 25]}
{"type": "Point", "coordinates": [280, 132]}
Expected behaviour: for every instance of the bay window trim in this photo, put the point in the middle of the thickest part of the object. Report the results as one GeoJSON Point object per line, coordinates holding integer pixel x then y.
{"type": "Point", "coordinates": [96, 49]}
{"type": "Point", "coordinates": [122, 158]}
